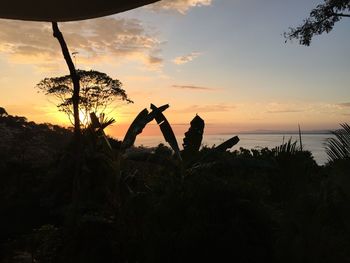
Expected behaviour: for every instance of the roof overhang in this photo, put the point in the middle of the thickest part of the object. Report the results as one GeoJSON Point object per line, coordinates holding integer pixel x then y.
{"type": "Point", "coordinates": [65, 10]}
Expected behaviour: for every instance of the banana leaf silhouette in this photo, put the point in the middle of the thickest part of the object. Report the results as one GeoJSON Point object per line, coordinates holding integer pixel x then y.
{"type": "Point", "coordinates": [166, 129]}
{"type": "Point", "coordinates": [193, 139]}
{"type": "Point", "coordinates": [227, 144]}
{"type": "Point", "coordinates": [137, 126]}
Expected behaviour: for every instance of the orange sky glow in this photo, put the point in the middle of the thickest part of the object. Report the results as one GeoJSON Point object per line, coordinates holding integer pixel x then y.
{"type": "Point", "coordinates": [237, 77]}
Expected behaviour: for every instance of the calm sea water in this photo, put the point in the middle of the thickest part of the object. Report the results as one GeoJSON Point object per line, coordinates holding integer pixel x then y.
{"type": "Point", "coordinates": [311, 142]}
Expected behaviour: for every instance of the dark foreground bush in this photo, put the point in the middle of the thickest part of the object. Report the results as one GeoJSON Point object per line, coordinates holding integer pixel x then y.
{"type": "Point", "coordinates": [146, 206]}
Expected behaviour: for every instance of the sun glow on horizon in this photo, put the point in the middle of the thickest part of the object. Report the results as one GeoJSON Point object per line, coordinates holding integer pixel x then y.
{"type": "Point", "coordinates": [235, 84]}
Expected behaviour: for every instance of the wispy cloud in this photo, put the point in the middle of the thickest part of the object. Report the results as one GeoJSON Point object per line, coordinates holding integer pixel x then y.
{"type": "Point", "coordinates": [190, 87]}
{"type": "Point", "coordinates": [284, 108]}
{"type": "Point", "coordinates": [345, 105]}
{"type": "Point", "coordinates": [209, 108]}
{"type": "Point", "coordinates": [307, 108]}
{"type": "Point", "coordinates": [186, 58]}
{"type": "Point", "coordinates": [180, 6]}
{"type": "Point", "coordinates": [284, 111]}
{"type": "Point", "coordinates": [95, 40]}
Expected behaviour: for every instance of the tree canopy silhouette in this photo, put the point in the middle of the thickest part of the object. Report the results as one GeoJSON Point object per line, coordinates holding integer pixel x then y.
{"type": "Point", "coordinates": [322, 19]}
{"type": "Point", "coordinates": [98, 90]}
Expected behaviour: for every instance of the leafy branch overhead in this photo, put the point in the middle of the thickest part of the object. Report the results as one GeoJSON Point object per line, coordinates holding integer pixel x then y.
{"type": "Point", "coordinates": [322, 19]}
{"type": "Point", "coordinates": [97, 91]}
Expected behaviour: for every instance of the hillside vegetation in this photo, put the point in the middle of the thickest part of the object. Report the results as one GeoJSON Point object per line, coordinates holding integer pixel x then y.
{"type": "Point", "coordinates": [156, 205]}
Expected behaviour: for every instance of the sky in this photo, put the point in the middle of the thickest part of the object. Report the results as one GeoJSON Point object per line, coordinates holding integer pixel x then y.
{"type": "Point", "coordinates": [225, 60]}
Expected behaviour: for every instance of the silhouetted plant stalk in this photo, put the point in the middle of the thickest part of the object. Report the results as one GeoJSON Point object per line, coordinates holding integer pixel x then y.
{"type": "Point", "coordinates": [300, 141]}
{"type": "Point", "coordinates": [288, 148]}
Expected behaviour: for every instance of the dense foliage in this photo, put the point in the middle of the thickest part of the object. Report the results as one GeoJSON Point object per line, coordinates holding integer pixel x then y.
{"type": "Point", "coordinates": [144, 205]}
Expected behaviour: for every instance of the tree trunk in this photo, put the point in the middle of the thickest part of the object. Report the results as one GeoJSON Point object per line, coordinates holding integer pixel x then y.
{"type": "Point", "coordinates": [77, 131]}
{"type": "Point", "coordinates": [75, 79]}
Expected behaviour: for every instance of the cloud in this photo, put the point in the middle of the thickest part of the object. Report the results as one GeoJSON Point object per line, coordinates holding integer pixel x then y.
{"type": "Point", "coordinates": [209, 108]}
{"type": "Point", "coordinates": [180, 6]}
{"type": "Point", "coordinates": [305, 108]}
{"type": "Point", "coordinates": [284, 111]}
{"type": "Point", "coordinates": [190, 87]}
{"type": "Point", "coordinates": [186, 58]}
{"type": "Point", "coordinates": [283, 108]}
{"type": "Point", "coordinates": [345, 105]}
{"type": "Point", "coordinates": [95, 40]}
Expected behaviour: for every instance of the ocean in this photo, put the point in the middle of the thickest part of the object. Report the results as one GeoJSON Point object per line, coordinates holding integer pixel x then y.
{"type": "Point", "coordinates": [312, 142]}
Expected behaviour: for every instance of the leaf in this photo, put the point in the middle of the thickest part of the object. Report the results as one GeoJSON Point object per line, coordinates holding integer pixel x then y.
{"type": "Point", "coordinates": [166, 129]}
{"type": "Point", "coordinates": [104, 121]}
{"type": "Point", "coordinates": [193, 139]}
{"type": "Point", "coordinates": [137, 126]}
{"type": "Point", "coordinates": [339, 147]}
{"type": "Point", "coordinates": [98, 128]}
{"type": "Point", "coordinates": [288, 148]}
{"type": "Point", "coordinates": [221, 148]}
{"type": "Point", "coordinates": [227, 144]}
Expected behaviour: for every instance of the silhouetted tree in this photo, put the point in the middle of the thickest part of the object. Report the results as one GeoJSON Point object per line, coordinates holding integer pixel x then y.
{"type": "Point", "coordinates": [321, 19]}
{"type": "Point", "coordinates": [97, 91]}
{"type": "Point", "coordinates": [3, 112]}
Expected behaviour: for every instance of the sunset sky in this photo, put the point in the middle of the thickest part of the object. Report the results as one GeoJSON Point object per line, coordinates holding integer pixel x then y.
{"type": "Point", "coordinates": [226, 60]}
